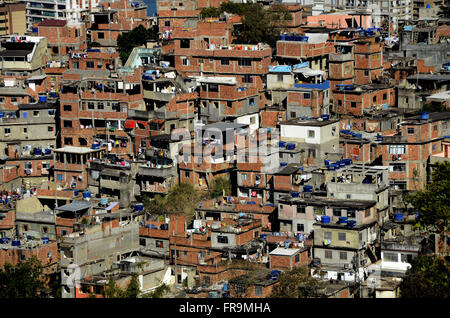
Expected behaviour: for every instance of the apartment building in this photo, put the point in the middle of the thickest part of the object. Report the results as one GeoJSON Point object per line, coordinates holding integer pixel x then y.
{"type": "Point", "coordinates": [12, 18]}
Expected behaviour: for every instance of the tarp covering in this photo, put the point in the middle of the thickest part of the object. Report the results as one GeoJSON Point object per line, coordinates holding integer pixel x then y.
{"type": "Point", "coordinates": [307, 72]}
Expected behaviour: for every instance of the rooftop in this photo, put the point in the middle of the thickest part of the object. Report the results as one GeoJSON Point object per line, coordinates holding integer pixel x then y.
{"type": "Point", "coordinates": [74, 206]}
{"type": "Point", "coordinates": [78, 150]}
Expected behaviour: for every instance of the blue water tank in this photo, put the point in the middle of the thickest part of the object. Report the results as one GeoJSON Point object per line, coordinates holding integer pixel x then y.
{"type": "Point", "coordinates": [358, 135]}
{"type": "Point", "coordinates": [15, 243]}
{"type": "Point", "coordinates": [274, 274]}
{"type": "Point", "coordinates": [283, 37]}
{"type": "Point", "coordinates": [295, 194]}
{"type": "Point", "coordinates": [76, 193]}
{"type": "Point", "coordinates": [37, 151]}
{"type": "Point", "coordinates": [398, 216]}
{"type": "Point", "coordinates": [42, 99]}
{"type": "Point", "coordinates": [332, 166]}
{"type": "Point", "coordinates": [283, 164]}
{"type": "Point", "coordinates": [104, 201]}
{"type": "Point", "coordinates": [139, 207]}
{"type": "Point", "coordinates": [424, 115]}
{"type": "Point", "coordinates": [327, 162]}
{"type": "Point", "coordinates": [325, 117]}
{"type": "Point", "coordinates": [282, 144]}
{"type": "Point", "coordinates": [307, 188]}
{"type": "Point", "coordinates": [251, 202]}
{"type": "Point", "coordinates": [45, 240]}
{"type": "Point", "coordinates": [341, 163]}
{"type": "Point", "coordinates": [343, 219]}
{"type": "Point", "coordinates": [351, 223]}
{"type": "Point", "coordinates": [290, 146]}
{"type": "Point", "coordinates": [348, 162]}
{"type": "Point", "coordinates": [325, 219]}
{"type": "Point", "coordinates": [4, 240]}
{"type": "Point", "coordinates": [95, 146]}
{"type": "Point", "coordinates": [47, 151]}
{"type": "Point", "coordinates": [263, 236]}
{"type": "Point", "coordinates": [86, 194]}
{"type": "Point", "coordinates": [35, 30]}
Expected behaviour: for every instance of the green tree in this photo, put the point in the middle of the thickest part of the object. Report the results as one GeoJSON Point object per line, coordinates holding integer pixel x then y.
{"type": "Point", "coordinates": [433, 107]}
{"type": "Point", "coordinates": [426, 278]}
{"type": "Point", "coordinates": [126, 41]}
{"type": "Point", "coordinates": [260, 25]}
{"type": "Point", "coordinates": [132, 290]}
{"type": "Point", "coordinates": [219, 185]}
{"type": "Point", "coordinates": [296, 283]}
{"type": "Point", "coordinates": [433, 203]}
{"type": "Point", "coordinates": [114, 291]}
{"type": "Point", "coordinates": [210, 12]}
{"type": "Point", "coordinates": [159, 292]}
{"type": "Point", "coordinates": [25, 280]}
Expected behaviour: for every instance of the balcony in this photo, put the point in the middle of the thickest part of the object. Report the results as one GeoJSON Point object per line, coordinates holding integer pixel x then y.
{"type": "Point", "coordinates": [158, 171]}
{"type": "Point", "coordinates": [166, 97]}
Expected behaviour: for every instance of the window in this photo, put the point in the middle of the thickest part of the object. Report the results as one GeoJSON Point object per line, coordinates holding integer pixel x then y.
{"type": "Point", "coordinates": [101, 35]}
{"type": "Point", "coordinates": [351, 213]}
{"type": "Point", "coordinates": [75, 65]}
{"type": "Point", "coordinates": [49, 128]}
{"type": "Point", "coordinates": [353, 105]}
{"type": "Point", "coordinates": [390, 257]}
{"type": "Point", "coordinates": [397, 149]}
{"type": "Point", "coordinates": [100, 106]}
{"type": "Point", "coordinates": [185, 61]}
{"type": "Point", "coordinates": [90, 105]}
{"type": "Point", "coordinates": [410, 130]}
{"type": "Point", "coordinates": [384, 96]}
{"type": "Point", "coordinates": [68, 141]}
{"type": "Point", "coordinates": [25, 130]}
{"type": "Point", "coordinates": [2, 100]}
{"type": "Point", "coordinates": [367, 213]}
{"type": "Point", "coordinates": [44, 229]}
{"type": "Point", "coordinates": [279, 77]}
{"type": "Point", "coordinates": [336, 212]}
{"type": "Point", "coordinates": [311, 153]}
{"type": "Point", "coordinates": [13, 99]}
{"type": "Point", "coordinates": [222, 239]}
{"type": "Point", "coordinates": [327, 235]}
{"type": "Point", "coordinates": [258, 291]}
{"type": "Point", "coordinates": [306, 95]}
{"type": "Point", "coordinates": [375, 98]}
{"type": "Point", "coordinates": [342, 236]}
{"type": "Point", "coordinates": [185, 43]}
{"type": "Point", "coordinates": [297, 258]}
{"type": "Point", "coordinates": [435, 127]}
{"type": "Point", "coordinates": [142, 242]}
{"type": "Point", "coordinates": [35, 113]}
{"type": "Point", "coordinates": [213, 88]}
{"type": "Point", "coordinates": [244, 62]}
{"type": "Point", "coordinates": [67, 108]}
{"type": "Point", "coordinates": [25, 227]}
{"type": "Point", "coordinates": [301, 208]}
{"type": "Point", "coordinates": [328, 254]}
{"type": "Point", "coordinates": [247, 79]}
{"type": "Point", "coordinates": [397, 167]}
{"type": "Point", "coordinates": [224, 61]}
{"type": "Point", "coordinates": [293, 114]}
{"type": "Point", "coordinates": [7, 131]}
{"type": "Point", "coordinates": [229, 104]}
{"type": "Point", "coordinates": [67, 123]}
{"type": "Point", "coordinates": [187, 174]}
{"type": "Point", "coordinates": [343, 255]}
{"type": "Point", "coordinates": [244, 177]}
{"type": "Point", "coordinates": [366, 73]}
{"type": "Point", "coordinates": [167, 23]}
{"type": "Point", "coordinates": [300, 227]}
{"type": "Point", "coordinates": [311, 133]}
